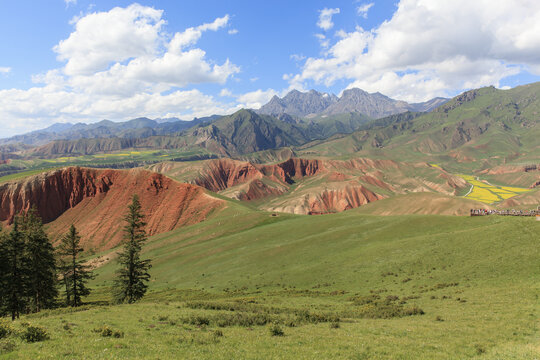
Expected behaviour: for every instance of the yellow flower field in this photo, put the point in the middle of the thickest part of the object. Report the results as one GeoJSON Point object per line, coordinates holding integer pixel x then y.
{"type": "Point", "coordinates": [488, 193]}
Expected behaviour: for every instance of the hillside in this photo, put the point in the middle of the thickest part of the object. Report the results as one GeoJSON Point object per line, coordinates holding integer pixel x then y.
{"type": "Point", "coordinates": [476, 130]}
{"type": "Point", "coordinates": [302, 272]}
{"type": "Point", "coordinates": [95, 202]}
{"type": "Point", "coordinates": [318, 186]}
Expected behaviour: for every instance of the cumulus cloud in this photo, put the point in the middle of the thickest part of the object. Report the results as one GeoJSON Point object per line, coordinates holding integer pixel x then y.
{"type": "Point", "coordinates": [4, 70]}
{"type": "Point", "coordinates": [256, 99]}
{"type": "Point", "coordinates": [104, 37]}
{"type": "Point", "coordinates": [363, 9]}
{"type": "Point", "coordinates": [121, 64]}
{"type": "Point", "coordinates": [433, 48]}
{"type": "Point", "coordinates": [325, 18]}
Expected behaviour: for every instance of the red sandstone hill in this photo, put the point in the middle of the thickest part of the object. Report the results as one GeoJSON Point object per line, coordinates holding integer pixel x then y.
{"type": "Point", "coordinates": [312, 186]}
{"type": "Point", "coordinates": [96, 200]}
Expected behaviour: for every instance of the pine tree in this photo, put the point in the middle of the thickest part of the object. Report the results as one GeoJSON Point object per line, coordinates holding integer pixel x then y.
{"type": "Point", "coordinates": [130, 284]}
{"type": "Point", "coordinates": [75, 274]}
{"type": "Point", "coordinates": [12, 279]}
{"type": "Point", "coordinates": [40, 264]}
{"type": "Point", "coordinates": [4, 268]}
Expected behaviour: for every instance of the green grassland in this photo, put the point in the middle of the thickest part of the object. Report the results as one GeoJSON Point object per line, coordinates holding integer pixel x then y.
{"type": "Point", "coordinates": [125, 158]}
{"type": "Point", "coordinates": [220, 286]}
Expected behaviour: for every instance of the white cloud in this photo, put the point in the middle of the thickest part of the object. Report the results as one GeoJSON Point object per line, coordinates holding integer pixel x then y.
{"type": "Point", "coordinates": [323, 40]}
{"type": "Point", "coordinates": [102, 38]}
{"type": "Point", "coordinates": [4, 70]}
{"type": "Point", "coordinates": [433, 48]}
{"type": "Point", "coordinates": [192, 35]}
{"type": "Point", "coordinates": [325, 18]}
{"type": "Point", "coordinates": [118, 65]}
{"type": "Point", "coordinates": [70, 2]}
{"type": "Point", "coordinates": [233, 31]}
{"type": "Point", "coordinates": [225, 92]}
{"type": "Point", "coordinates": [256, 99]}
{"type": "Point", "coordinates": [363, 9]}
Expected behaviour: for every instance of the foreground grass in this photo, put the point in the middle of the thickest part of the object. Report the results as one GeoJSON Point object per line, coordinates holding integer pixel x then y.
{"type": "Point", "coordinates": [475, 279]}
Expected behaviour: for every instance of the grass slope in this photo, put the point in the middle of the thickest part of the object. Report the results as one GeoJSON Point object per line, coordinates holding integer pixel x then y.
{"type": "Point", "coordinates": [475, 278]}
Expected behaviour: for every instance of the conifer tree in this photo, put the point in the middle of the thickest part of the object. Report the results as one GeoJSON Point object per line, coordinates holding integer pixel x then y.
{"type": "Point", "coordinates": [75, 274]}
{"type": "Point", "coordinates": [39, 263]}
{"type": "Point", "coordinates": [4, 268]}
{"type": "Point", "coordinates": [13, 279]}
{"type": "Point", "coordinates": [132, 276]}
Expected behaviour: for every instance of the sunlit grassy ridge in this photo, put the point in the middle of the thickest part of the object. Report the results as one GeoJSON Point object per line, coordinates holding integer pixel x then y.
{"type": "Point", "coordinates": [476, 279]}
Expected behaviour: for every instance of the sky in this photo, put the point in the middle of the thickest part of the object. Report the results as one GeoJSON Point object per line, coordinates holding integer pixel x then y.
{"type": "Point", "coordinates": [88, 60]}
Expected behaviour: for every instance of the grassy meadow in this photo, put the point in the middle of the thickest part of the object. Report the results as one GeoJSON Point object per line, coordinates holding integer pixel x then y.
{"type": "Point", "coordinates": [250, 284]}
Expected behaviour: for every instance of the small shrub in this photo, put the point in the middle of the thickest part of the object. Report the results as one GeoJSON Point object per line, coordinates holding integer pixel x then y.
{"type": "Point", "coordinates": [34, 334]}
{"type": "Point", "coordinates": [413, 310]}
{"type": "Point", "coordinates": [5, 330]}
{"type": "Point", "coordinates": [290, 323]}
{"type": "Point", "coordinates": [106, 331]}
{"type": "Point", "coordinates": [66, 327]}
{"type": "Point", "coordinates": [7, 346]}
{"type": "Point", "coordinates": [218, 333]}
{"type": "Point", "coordinates": [197, 320]}
{"type": "Point", "coordinates": [276, 330]}
{"type": "Point", "coordinates": [439, 318]}
{"type": "Point", "coordinates": [363, 300]}
{"type": "Point", "coordinates": [163, 318]}
{"type": "Point", "coordinates": [480, 349]}
{"type": "Point", "coordinates": [335, 325]}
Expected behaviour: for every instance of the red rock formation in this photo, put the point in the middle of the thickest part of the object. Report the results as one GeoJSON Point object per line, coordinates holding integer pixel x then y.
{"type": "Point", "coordinates": [224, 173]}
{"type": "Point", "coordinates": [258, 190]}
{"type": "Point", "coordinates": [96, 200]}
{"type": "Point", "coordinates": [293, 168]}
{"type": "Point", "coordinates": [338, 200]}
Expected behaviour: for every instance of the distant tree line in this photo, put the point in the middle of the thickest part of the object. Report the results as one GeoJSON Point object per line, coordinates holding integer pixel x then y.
{"type": "Point", "coordinates": [32, 271]}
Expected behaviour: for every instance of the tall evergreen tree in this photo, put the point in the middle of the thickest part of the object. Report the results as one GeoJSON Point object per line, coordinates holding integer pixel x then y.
{"type": "Point", "coordinates": [4, 269]}
{"type": "Point", "coordinates": [132, 276]}
{"type": "Point", "coordinates": [13, 280]}
{"type": "Point", "coordinates": [75, 274]}
{"type": "Point", "coordinates": [40, 264]}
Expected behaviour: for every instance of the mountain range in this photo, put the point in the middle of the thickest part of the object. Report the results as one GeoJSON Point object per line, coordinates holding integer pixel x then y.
{"type": "Point", "coordinates": [324, 114]}
{"type": "Point", "coordinates": [312, 103]}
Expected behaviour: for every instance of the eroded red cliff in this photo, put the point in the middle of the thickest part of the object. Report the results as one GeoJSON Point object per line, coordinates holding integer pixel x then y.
{"type": "Point", "coordinates": [95, 201]}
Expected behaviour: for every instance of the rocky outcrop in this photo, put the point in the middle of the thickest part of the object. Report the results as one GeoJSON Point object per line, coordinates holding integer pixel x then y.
{"type": "Point", "coordinates": [96, 200]}
{"type": "Point", "coordinates": [221, 174]}
{"type": "Point", "coordinates": [337, 200]}
{"type": "Point", "coordinates": [293, 168]}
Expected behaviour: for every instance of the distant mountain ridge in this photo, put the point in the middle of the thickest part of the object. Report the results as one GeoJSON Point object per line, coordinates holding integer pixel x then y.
{"type": "Point", "coordinates": [313, 103]}
{"type": "Point", "coordinates": [136, 128]}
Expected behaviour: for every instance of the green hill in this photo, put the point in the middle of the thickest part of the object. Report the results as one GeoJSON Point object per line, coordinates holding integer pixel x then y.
{"type": "Point", "coordinates": [217, 287]}
{"type": "Point", "coordinates": [478, 129]}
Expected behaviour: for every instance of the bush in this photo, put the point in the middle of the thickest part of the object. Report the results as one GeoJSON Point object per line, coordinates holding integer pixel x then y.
{"type": "Point", "coordinates": [7, 346]}
{"type": "Point", "coordinates": [34, 334]}
{"type": "Point", "coordinates": [197, 320]}
{"type": "Point", "coordinates": [335, 325]}
{"type": "Point", "coordinates": [276, 330]}
{"type": "Point", "coordinates": [5, 330]}
{"type": "Point", "coordinates": [106, 331]}
{"type": "Point", "coordinates": [368, 299]}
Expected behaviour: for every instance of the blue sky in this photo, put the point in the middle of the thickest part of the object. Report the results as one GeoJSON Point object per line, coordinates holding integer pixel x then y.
{"type": "Point", "coordinates": [71, 61]}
